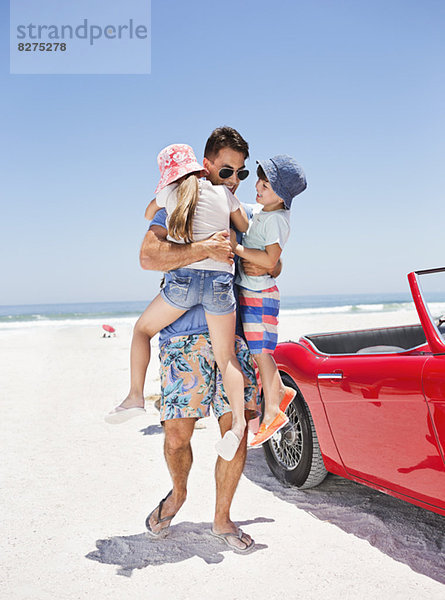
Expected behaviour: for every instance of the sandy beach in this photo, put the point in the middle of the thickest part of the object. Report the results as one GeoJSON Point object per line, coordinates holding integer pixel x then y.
{"type": "Point", "coordinates": [76, 492]}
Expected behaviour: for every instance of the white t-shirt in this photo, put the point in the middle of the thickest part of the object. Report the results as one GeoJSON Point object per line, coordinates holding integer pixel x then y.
{"type": "Point", "coordinates": [212, 214]}
{"type": "Point", "coordinates": [265, 228]}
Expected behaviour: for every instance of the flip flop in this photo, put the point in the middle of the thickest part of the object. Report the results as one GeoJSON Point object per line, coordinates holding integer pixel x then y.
{"type": "Point", "coordinates": [228, 445]}
{"type": "Point", "coordinates": [225, 537]}
{"type": "Point", "coordinates": [162, 532]}
{"type": "Point", "coordinates": [120, 414]}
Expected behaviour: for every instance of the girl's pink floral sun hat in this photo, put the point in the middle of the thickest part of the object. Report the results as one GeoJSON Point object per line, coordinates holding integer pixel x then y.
{"type": "Point", "coordinates": [174, 162]}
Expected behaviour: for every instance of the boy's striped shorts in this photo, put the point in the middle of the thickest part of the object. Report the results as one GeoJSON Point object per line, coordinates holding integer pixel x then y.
{"type": "Point", "coordinates": [259, 314]}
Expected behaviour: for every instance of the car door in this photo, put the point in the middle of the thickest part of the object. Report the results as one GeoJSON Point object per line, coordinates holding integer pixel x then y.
{"type": "Point", "coordinates": [380, 421]}
{"type": "Point", "coordinates": [434, 388]}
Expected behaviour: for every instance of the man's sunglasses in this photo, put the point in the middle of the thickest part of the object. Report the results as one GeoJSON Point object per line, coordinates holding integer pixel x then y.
{"type": "Point", "coordinates": [227, 172]}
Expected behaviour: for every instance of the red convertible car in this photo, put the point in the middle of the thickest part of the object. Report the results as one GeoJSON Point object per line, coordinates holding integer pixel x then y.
{"type": "Point", "coordinates": [370, 406]}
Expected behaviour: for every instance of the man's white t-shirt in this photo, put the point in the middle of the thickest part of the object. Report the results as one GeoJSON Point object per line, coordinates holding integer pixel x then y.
{"type": "Point", "coordinates": [212, 214]}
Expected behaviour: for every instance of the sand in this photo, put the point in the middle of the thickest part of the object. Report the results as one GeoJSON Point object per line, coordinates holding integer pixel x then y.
{"type": "Point", "coordinates": [76, 491]}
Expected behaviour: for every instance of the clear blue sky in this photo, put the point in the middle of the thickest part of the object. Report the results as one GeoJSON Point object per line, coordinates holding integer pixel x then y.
{"type": "Point", "coordinates": [353, 89]}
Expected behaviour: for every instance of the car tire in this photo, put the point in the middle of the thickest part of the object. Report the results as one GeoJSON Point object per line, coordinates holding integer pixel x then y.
{"type": "Point", "coordinates": [293, 454]}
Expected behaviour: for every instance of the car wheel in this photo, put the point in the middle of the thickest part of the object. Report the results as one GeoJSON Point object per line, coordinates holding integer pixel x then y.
{"type": "Point", "coordinates": [293, 453]}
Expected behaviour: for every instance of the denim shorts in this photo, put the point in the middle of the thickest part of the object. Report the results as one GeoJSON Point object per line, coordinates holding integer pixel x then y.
{"type": "Point", "coordinates": [185, 288]}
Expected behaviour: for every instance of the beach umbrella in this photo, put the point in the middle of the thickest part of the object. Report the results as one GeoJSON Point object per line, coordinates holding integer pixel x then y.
{"type": "Point", "coordinates": [108, 328]}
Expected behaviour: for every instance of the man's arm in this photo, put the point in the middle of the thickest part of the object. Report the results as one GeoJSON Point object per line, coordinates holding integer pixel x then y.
{"type": "Point", "coordinates": [159, 254]}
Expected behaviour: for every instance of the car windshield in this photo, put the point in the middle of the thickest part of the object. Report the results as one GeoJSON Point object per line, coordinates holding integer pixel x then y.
{"type": "Point", "coordinates": [432, 286]}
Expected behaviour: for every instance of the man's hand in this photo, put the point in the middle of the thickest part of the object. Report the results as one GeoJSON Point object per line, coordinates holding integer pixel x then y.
{"type": "Point", "coordinates": [255, 271]}
{"type": "Point", "coordinates": [158, 254]}
{"type": "Point", "coordinates": [218, 247]}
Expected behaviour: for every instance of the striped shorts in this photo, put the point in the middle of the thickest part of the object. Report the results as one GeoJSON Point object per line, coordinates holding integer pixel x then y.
{"type": "Point", "coordinates": [259, 314]}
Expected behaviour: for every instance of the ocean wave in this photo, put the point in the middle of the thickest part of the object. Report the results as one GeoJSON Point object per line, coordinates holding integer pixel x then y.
{"type": "Point", "coordinates": [351, 308]}
{"type": "Point", "coordinates": [33, 318]}
{"type": "Point", "coordinates": [115, 322]}
{"type": "Point", "coordinates": [42, 316]}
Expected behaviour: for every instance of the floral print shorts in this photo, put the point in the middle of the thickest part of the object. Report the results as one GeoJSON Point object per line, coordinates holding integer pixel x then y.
{"type": "Point", "coordinates": [191, 382]}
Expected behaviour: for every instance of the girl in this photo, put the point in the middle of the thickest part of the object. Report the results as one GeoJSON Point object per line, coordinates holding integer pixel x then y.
{"type": "Point", "coordinates": [195, 210]}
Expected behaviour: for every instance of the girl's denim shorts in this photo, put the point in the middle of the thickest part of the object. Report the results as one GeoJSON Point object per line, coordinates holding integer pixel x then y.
{"type": "Point", "coordinates": [185, 288]}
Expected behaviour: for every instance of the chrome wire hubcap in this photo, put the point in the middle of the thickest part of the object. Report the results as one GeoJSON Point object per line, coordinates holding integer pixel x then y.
{"type": "Point", "coordinates": [287, 444]}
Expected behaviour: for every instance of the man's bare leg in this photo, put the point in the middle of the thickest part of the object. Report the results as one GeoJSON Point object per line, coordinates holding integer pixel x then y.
{"type": "Point", "coordinates": [179, 458]}
{"type": "Point", "coordinates": [227, 476]}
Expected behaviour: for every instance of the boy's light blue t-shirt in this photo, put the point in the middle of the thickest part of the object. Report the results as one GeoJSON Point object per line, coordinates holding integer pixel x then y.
{"type": "Point", "coordinates": [265, 228]}
{"type": "Point", "coordinates": [193, 321]}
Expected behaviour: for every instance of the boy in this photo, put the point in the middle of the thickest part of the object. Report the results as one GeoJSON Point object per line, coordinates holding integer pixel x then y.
{"type": "Point", "coordinates": [280, 179]}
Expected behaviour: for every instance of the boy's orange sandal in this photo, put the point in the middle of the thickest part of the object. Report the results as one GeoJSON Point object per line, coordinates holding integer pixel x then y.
{"type": "Point", "coordinates": [265, 433]}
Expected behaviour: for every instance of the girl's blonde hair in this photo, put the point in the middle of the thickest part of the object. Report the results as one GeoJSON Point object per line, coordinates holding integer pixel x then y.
{"type": "Point", "coordinates": [180, 224]}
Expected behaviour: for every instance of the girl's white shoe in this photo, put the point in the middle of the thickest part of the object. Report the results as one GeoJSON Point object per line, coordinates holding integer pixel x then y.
{"type": "Point", "coordinates": [228, 445]}
{"type": "Point", "coordinates": [120, 414]}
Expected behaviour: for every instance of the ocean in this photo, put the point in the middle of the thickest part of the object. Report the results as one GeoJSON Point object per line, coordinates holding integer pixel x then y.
{"type": "Point", "coordinates": [15, 316]}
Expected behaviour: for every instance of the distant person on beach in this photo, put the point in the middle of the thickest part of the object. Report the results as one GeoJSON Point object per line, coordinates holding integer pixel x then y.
{"type": "Point", "coordinates": [280, 179]}
{"type": "Point", "coordinates": [190, 380]}
{"type": "Point", "coordinates": [196, 209]}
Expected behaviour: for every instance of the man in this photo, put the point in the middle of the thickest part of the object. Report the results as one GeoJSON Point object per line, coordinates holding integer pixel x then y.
{"type": "Point", "coordinates": [189, 376]}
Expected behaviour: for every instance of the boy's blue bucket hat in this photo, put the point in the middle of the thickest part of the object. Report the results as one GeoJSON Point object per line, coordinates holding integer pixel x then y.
{"type": "Point", "coordinates": [285, 176]}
